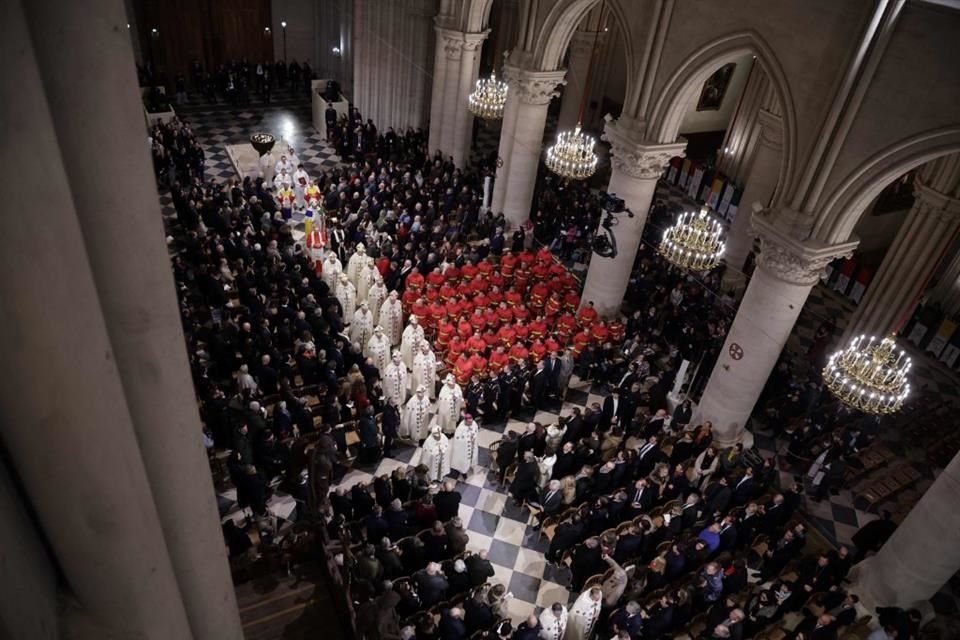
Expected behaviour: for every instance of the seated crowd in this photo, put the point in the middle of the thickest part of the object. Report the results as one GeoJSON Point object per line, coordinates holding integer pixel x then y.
{"type": "Point", "coordinates": [623, 487]}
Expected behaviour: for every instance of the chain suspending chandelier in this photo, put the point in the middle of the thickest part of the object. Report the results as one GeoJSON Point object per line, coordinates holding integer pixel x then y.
{"type": "Point", "coordinates": [573, 156]}
{"type": "Point", "coordinates": [869, 375]}
{"type": "Point", "coordinates": [695, 242]}
{"type": "Point", "coordinates": [489, 98]}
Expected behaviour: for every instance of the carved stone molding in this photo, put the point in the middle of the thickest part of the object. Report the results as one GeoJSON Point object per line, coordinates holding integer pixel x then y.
{"type": "Point", "coordinates": [936, 206]}
{"type": "Point", "coordinates": [799, 262]}
{"type": "Point", "coordinates": [473, 41]}
{"type": "Point", "coordinates": [534, 87]}
{"type": "Point", "coordinates": [771, 129]}
{"type": "Point", "coordinates": [636, 159]}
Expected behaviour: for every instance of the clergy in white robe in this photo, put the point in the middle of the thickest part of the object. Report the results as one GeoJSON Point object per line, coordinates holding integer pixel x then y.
{"type": "Point", "coordinates": [282, 180]}
{"type": "Point", "coordinates": [394, 380]}
{"type": "Point", "coordinates": [391, 318]}
{"type": "Point", "coordinates": [283, 164]}
{"type": "Point", "coordinates": [449, 404]}
{"type": "Point", "coordinates": [466, 446]}
{"type": "Point", "coordinates": [378, 348]}
{"type": "Point", "coordinates": [436, 455]}
{"type": "Point", "coordinates": [357, 260]}
{"type": "Point", "coordinates": [331, 270]}
{"type": "Point", "coordinates": [300, 181]}
{"type": "Point", "coordinates": [347, 295]}
{"type": "Point", "coordinates": [425, 370]}
{"type": "Point", "coordinates": [365, 278]}
{"type": "Point", "coordinates": [583, 615]}
{"type": "Point", "coordinates": [410, 341]}
{"type": "Point", "coordinates": [362, 326]}
{"type": "Point", "coordinates": [553, 622]}
{"type": "Point", "coordinates": [415, 423]}
{"type": "Point", "coordinates": [376, 296]}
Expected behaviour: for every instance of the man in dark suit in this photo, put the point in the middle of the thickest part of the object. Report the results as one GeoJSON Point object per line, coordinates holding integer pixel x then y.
{"type": "Point", "coordinates": [479, 568]}
{"type": "Point", "coordinates": [431, 584]}
{"type": "Point", "coordinates": [647, 457]}
{"type": "Point", "coordinates": [629, 545]}
{"type": "Point", "coordinates": [574, 427]}
{"type": "Point", "coordinates": [539, 386]}
{"type": "Point", "coordinates": [611, 408]}
{"type": "Point", "coordinates": [717, 496]}
{"type": "Point", "coordinates": [447, 501]}
{"type": "Point", "coordinates": [643, 496]}
{"type": "Point", "coordinates": [506, 453]}
{"type": "Point", "coordinates": [390, 425]}
{"type": "Point", "coordinates": [566, 535]}
{"type": "Point", "coordinates": [451, 625]}
{"type": "Point", "coordinates": [587, 561]}
{"type": "Point", "coordinates": [551, 500]}
{"type": "Point", "coordinates": [376, 525]}
{"type": "Point", "coordinates": [528, 630]}
{"type": "Point", "coordinates": [566, 463]}
{"type": "Point", "coordinates": [728, 534]}
{"type": "Point", "coordinates": [744, 489]}
{"type": "Point", "coordinates": [823, 627]}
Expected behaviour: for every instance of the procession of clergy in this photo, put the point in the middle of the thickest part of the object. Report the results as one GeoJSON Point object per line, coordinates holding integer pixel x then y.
{"type": "Point", "coordinates": [479, 319]}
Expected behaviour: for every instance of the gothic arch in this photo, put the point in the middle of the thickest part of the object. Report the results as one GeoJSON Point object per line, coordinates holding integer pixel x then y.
{"type": "Point", "coordinates": [845, 204]}
{"type": "Point", "coordinates": [557, 31]}
{"type": "Point", "coordinates": [686, 81]}
{"type": "Point", "coordinates": [478, 15]}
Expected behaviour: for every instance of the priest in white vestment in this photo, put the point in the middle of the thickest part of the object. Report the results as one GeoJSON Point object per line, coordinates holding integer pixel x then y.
{"type": "Point", "coordinates": [449, 404]}
{"type": "Point", "coordinates": [378, 348]}
{"type": "Point", "coordinates": [357, 260]}
{"type": "Point", "coordinates": [365, 278]}
{"type": "Point", "coordinates": [436, 455]}
{"type": "Point", "coordinates": [394, 380]}
{"type": "Point", "coordinates": [410, 341]}
{"type": "Point", "coordinates": [553, 622]}
{"type": "Point", "coordinates": [331, 270]}
{"type": "Point", "coordinates": [391, 318]}
{"type": "Point", "coordinates": [583, 615]}
{"type": "Point", "coordinates": [300, 181]}
{"type": "Point", "coordinates": [425, 370]}
{"type": "Point", "coordinates": [466, 445]}
{"type": "Point", "coordinates": [361, 329]}
{"type": "Point", "coordinates": [415, 423]}
{"type": "Point", "coordinates": [347, 295]}
{"type": "Point", "coordinates": [376, 295]}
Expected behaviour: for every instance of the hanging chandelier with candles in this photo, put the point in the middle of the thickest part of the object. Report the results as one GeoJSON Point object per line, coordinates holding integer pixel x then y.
{"type": "Point", "coordinates": [869, 375]}
{"type": "Point", "coordinates": [695, 242]}
{"type": "Point", "coordinates": [489, 98]}
{"type": "Point", "coordinates": [572, 156]}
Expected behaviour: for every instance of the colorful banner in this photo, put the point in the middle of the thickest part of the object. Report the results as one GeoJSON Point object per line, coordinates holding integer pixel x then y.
{"type": "Point", "coordinates": [940, 340]}
{"type": "Point", "coordinates": [694, 187]}
{"type": "Point", "coordinates": [685, 171]}
{"type": "Point", "coordinates": [676, 163]}
{"type": "Point", "coordinates": [846, 273]}
{"type": "Point", "coordinates": [726, 199]}
{"type": "Point", "coordinates": [713, 199]}
{"type": "Point", "coordinates": [916, 334]}
{"type": "Point", "coordinates": [860, 286]}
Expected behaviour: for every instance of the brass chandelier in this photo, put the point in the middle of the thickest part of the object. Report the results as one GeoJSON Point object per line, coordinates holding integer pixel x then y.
{"type": "Point", "coordinates": [572, 156]}
{"type": "Point", "coordinates": [869, 375]}
{"type": "Point", "coordinates": [489, 98]}
{"type": "Point", "coordinates": [694, 243]}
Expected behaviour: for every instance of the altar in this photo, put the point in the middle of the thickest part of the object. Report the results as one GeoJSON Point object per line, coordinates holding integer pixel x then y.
{"type": "Point", "coordinates": [247, 162]}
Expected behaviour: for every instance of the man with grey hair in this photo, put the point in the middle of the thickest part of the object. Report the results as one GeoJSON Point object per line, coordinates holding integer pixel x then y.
{"type": "Point", "coordinates": [431, 584]}
{"type": "Point", "coordinates": [627, 619]}
{"type": "Point", "coordinates": [451, 625]}
{"type": "Point", "coordinates": [457, 538]}
{"type": "Point", "coordinates": [550, 503]}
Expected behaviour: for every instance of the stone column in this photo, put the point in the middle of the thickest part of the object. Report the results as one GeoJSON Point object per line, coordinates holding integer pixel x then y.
{"type": "Point", "coordinates": [505, 149]}
{"type": "Point", "coordinates": [469, 70]}
{"type": "Point", "coordinates": [786, 271]}
{"type": "Point", "coordinates": [761, 183]}
{"type": "Point", "coordinates": [437, 93]}
{"type": "Point", "coordinates": [531, 92]}
{"type": "Point", "coordinates": [947, 291]}
{"type": "Point", "coordinates": [636, 169]}
{"type": "Point", "coordinates": [67, 428]}
{"type": "Point", "coordinates": [922, 554]}
{"type": "Point", "coordinates": [581, 46]}
{"type": "Point", "coordinates": [452, 42]}
{"type": "Point", "coordinates": [920, 245]}
{"type": "Point", "coordinates": [129, 257]}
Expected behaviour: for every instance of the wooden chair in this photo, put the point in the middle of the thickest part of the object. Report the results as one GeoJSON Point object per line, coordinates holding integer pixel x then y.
{"type": "Point", "coordinates": [548, 528]}
{"type": "Point", "coordinates": [593, 581]}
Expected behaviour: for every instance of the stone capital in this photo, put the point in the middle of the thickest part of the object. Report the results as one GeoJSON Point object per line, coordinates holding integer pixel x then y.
{"type": "Point", "coordinates": [451, 41]}
{"type": "Point", "coordinates": [785, 256]}
{"type": "Point", "coordinates": [634, 158]}
{"type": "Point", "coordinates": [936, 205]}
{"type": "Point", "coordinates": [473, 41]}
{"type": "Point", "coordinates": [534, 87]}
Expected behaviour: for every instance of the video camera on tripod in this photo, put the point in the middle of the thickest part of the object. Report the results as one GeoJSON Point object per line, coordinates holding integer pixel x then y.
{"type": "Point", "coordinates": [604, 243]}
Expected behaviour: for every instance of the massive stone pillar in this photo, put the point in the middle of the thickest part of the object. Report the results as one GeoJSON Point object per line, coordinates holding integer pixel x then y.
{"type": "Point", "coordinates": [920, 245]}
{"type": "Point", "coordinates": [636, 169]}
{"type": "Point", "coordinates": [922, 554]}
{"type": "Point", "coordinates": [463, 119]}
{"type": "Point", "coordinates": [521, 140]}
{"type": "Point", "coordinates": [947, 291]}
{"type": "Point", "coordinates": [578, 64]}
{"type": "Point", "coordinates": [68, 429]}
{"type": "Point", "coordinates": [441, 67]}
{"type": "Point", "coordinates": [761, 183]}
{"type": "Point", "coordinates": [128, 257]}
{"type": "Point", "coordinates": [786, 271]}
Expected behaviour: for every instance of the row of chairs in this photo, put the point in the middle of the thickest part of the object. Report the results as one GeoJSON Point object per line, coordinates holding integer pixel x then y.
{"type": "Point", "coordinates": [890, 483]}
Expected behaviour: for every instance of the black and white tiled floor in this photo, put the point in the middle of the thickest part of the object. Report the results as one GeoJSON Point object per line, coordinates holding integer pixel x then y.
{"type": "Point", "coordinates": [494, 523]}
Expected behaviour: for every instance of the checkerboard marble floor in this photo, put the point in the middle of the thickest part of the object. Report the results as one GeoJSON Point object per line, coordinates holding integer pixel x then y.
{"type": "Point", "coordinates": [494, 523]}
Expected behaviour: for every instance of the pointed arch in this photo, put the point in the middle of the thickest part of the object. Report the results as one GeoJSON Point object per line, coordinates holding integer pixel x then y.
{"type": "Point", "coordinates": [685, 83]}
{"type": "Point", "coordinates": [845, 204]}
